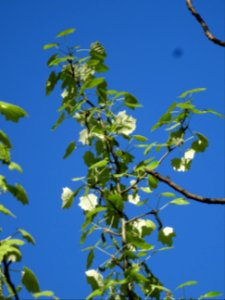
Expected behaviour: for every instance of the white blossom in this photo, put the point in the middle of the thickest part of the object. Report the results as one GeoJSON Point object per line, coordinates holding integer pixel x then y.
{"type": "Point", "coordinates": [64, 94]}
{"type": "Point", "coordinates": [189, 154]}
{"type": "Point", "coordinates": [66, 194]}
{"type": "Point", "coordinates": [182, 167]}
{"type": "Point", "coordinates": [96, 275]}
{"type": "Point", "coordinates": [139, 224]}
{"type": "Point", "coordinates": [88, 202]}
{"type": "Point", "coordinates": [134, 199]}
{"type": "Point", "coordinates": [85, 71]}
{"type": "Point", "coordinates": [125, 124]}
{"type": "Point", "coordinates": [84, 137]}
{"type": "Point", "coordinates": [79, 117]}
{"type": "Point", "coordinates": [168, 230]}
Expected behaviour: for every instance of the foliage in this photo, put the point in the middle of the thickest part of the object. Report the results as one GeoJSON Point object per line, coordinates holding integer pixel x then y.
{"type": "Point", "coordinates": [10, 246]}
{"type": "Point", "coordinates": [116, 179]}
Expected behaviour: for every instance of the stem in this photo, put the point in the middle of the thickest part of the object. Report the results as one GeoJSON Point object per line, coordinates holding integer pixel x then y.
{"type": "Point", "coordinates": [8, 278]}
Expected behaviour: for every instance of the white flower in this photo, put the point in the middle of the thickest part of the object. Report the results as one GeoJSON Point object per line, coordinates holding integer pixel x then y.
{"type": "Point", "coordinates": [89, 202]}
{"type": "Point", "coordinates": [84, 137]}
{"type": "Point", "coordinates": [139, 224]}
{"type": "Point", "coordinates": [182, 167]}
{"type": "Point", "coordinates": [85, 71]}
{"type": "Point", "coordinates": [125, 124]}
{"type": "Point", "coordinates": [189, 154]}
{"type": "Point", "coordinates": [168, 231]}
{"type": "Point", "coordinates": [64, 94]}
{"type": "Point", "coordinates": [79, 117]}
{"type": "Point", "coordinates": [133, 199]}
{"type": "Point", "coordinates": [66, 194]}
{"type": "Point", "coordinates": [96, 275]}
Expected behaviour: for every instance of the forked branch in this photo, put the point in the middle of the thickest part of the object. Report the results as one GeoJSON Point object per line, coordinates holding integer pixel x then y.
{"type": "Point", "coordinates": [184, 192]}
{"type": "Point", "coordinates": [203, 24]}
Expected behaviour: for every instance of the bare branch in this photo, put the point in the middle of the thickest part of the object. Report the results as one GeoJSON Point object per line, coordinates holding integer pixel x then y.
{"type": "Point", "coordinates": [204, 26]}
{"type": "Point", "coordinates": [184, 192]}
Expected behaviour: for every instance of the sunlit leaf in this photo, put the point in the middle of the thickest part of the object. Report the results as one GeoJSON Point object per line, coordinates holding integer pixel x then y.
{"type": "Point", "coordinates": [180, 201]}
{"type": "Point", "coordinates": [187, 283]}
{"type": "Point", "coordinates": [66, 32]}
{"type": "Point", "coordinates": [15, 166]}
{"type": "Point", "coordinates": [27, 236]}
{"type": "Point", "coordinates": [210, 295]}
{"type": "Point", "coordinates": [6, 211]}
{"type": "Point", "coordinates": [11, 112]}
{"type": "Point", "coordinates": [48, 46]}
{"type": "Point", "coordinates": [45, 294]}
{"type": "Point", "coordinates": [183, 95]}
{"type": "Point", "coordinates": [4, 139]}
{"type": "Point", "coordinates": [99, 164]}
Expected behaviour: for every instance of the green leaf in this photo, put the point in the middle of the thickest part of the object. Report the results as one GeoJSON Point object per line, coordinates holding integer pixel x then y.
{"type": "Point", "coordinates": [18, 192]}
{"type": "Point", "coordinates": [89, 158]}
{"type": "Point", "coordinates": [147, 150]}
{"type": "Point", "coordinates": [187, 283]}
{"type": "Point", "coordinates": [4, 139]}
{"type": "Point", "coordinates": [167, 194]}
{"type": "Point", "coordinates": [66, 32]}
{"type": "Point", "coordinates": [30, 281]}
{"type": "Point", "coordinates": [140, 138]}
{"type": "Point", "coordinates": [11, 112]}
{"type": "Point", "coordinates": [92, 83]}
{"type": "Point", "coordinates": [90, 258]}
{"type": "Point", "coordinates": [152, 181]}
{"type": "Point", "coordinates": [153, 165]}
{"type": "Point", "coordinates": [166, 238]}
{"type": "Point", "coordinates": [69, 150]}
{"type": "Point", "coordinates": [6, 211]}
{"type": "Point", "coordinates": [139, 242]}
{"type": "Point", "coordinates": [99, 164]}
{"type": "Point", "coordinates": [4, 154]}
{"type": "Point", "coordinates": [48, 46]}
{"type": "Point", "coordinates": [200, 144]}
{"type": "Point", "coordinates": [15, 166]}
{"type": "Point", "coordinates": [95, 293]}
{"type": "Point", "coordinates": [146, 190]}
{"type": "Point", "coordinates": [183, 95]}
{"type": "Point", "coordinates": [27, 236]}
{"type": "Point", "coordinates": [45, 294]}
{"type": "Point", "coordinates": [59, 121]}
{"type": "Point", "coordinates": [130, 101]}
{"type": "Point", "coordinates": [180, 201]}
{"type": "Point", "coordinates": [91, 214]}
{"type": "Point", "coordinates": [210, 295]}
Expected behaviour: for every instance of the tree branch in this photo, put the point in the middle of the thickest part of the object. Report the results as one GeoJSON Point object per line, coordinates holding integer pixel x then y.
{"type": "Point", "coordinates": [204, 26]}
{"type": "Point", "coordinates": [184, 192]}
{"type": "Point", "coordinates": [8, 278]}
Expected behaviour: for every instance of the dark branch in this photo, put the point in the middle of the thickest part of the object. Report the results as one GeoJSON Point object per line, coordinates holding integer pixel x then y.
{"type": "Point", "coordinates": [8, 278]}
{"type": "Point", "coordinates": [184, 192]}
{"type": "Point", "coordinates": [204, 26]}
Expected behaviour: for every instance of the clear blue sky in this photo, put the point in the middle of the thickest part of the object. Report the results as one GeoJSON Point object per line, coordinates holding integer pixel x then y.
{"type": "Point", "coordinates": [140, 38]}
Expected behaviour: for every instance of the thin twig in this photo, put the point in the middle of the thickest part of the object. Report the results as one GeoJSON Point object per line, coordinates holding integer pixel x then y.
{"type": "Point", "coordinates": [203, 24]}
{"type": "Point", "coordinates": [184, 192]}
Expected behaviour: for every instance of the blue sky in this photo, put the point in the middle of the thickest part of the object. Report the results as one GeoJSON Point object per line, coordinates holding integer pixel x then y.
{"type": "Point", "coordinates": [140, 38]}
